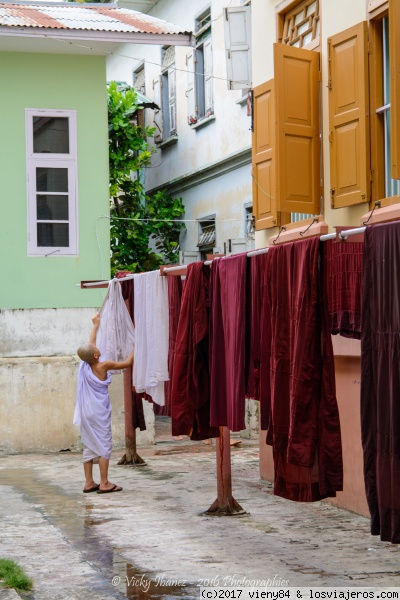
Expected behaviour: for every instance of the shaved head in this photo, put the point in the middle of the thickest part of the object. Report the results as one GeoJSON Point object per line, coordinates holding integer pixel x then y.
{"type": "Point", "coordinates": [86, 352]}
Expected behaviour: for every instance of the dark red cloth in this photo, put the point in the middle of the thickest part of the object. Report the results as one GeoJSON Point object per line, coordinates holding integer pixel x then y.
{"type": "Point", "coordinates": [138, 419]}
{"type": "Point", "coordinates": [343, 278]}
{"type": "Point", "coordinates": [304, 427]}
{"type": "Point", "coordinates": [190, 395]}
{"type": "Point", "coordinates": [263, 346]}
{"type": "Point", "coordinates": [380, 378]}
{"type": "Point", "coordinates": [228, 326]}
{"type": "Point", "coordinates": [174, 304]}
{"type": "Point", "coordinates": [253, 330]}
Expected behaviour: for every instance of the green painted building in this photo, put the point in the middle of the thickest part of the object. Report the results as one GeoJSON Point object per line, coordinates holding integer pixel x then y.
{"type": "Point", "coordinates": [54, 230]}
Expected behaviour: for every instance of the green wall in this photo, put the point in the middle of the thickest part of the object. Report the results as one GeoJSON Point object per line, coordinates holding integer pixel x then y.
{"type": "Point", "coordinates": [53, 82]}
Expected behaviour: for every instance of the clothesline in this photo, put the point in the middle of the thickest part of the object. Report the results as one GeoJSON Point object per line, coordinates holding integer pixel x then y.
{"type": "Point", "coordinates": [329, 236]}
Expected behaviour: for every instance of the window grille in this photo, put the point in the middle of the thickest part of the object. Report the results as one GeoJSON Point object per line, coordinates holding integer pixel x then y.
{"type": "Point", "coordinates": [301, 24]}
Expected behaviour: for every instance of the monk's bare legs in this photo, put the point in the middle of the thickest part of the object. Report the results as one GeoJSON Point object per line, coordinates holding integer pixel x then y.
{"type": "Point", "coordinates": [104, 483]}
{"type": "Point", "coordinates": [89, 482]}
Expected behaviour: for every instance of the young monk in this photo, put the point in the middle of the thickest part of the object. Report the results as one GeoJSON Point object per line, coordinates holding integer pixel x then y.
{"type": "Point", "coordinates": [93, 411]}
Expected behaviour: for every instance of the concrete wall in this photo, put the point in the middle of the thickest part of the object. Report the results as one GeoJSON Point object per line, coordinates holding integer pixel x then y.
{"type": "Point", "coordinates": [38, 375]}
{"type": "Point", "coordinates": [53, 82]}
{"type": "Point", "coordinates": [196, 149]}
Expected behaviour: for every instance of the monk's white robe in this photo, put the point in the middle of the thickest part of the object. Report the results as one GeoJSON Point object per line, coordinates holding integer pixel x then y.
{"type": "Point", "coordinates": [116, 334]}
{"type": "Point", "coordinates": [93, 414]}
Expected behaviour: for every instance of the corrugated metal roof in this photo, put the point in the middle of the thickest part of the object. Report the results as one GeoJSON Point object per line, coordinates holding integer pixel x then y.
{"type": "Point", "coordinates": [78, 18]}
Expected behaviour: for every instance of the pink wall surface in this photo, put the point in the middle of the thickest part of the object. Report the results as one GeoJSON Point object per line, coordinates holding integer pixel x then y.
{"type": "Point", "coordinates": [348, 377]}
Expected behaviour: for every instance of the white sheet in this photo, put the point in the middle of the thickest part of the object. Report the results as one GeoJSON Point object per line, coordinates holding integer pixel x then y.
{"type": "Point", "coordinates": [150, 369]}
{"type": "Point", "coordinates": [116, 333]}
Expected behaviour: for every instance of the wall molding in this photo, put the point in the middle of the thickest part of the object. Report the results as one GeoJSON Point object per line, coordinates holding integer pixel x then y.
{"type": "Point", "coordinates": [207, 173]}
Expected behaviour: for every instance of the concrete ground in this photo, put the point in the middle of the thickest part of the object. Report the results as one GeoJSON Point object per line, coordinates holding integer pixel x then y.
{"type": "Point", "coordinates": [152, 541]}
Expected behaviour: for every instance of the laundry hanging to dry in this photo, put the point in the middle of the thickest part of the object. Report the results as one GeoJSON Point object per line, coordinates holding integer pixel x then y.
{"type": "Point", "coordinates": [150, 369]}
{"type": "Point", "coordinates": [380, 378]}
{"type": "Point", "coordinates": [303, 425]}
{"type": "Point", "coordinates": [190, 396]}
{"type": "Point", "coordinates": [116, 333]}
{"type": "Point", "coordinates": [228, 345]}
{"type": "Point", "coordinates": [342, 281]}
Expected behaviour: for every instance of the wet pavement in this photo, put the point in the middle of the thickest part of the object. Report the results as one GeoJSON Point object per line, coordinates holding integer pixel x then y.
{"type": "Point", "coordinates": [153, 541]}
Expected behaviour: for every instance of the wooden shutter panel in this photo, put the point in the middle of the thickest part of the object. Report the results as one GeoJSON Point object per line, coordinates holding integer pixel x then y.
{"type": "Point", "coordinates": [172, 100]}
{"type": "Point", "coordinates": [190, 88]}
{"type": "Point", "coordinates": [208, 81]}
{"type": "Point", "coordinates": [237, 24]}
{"type": "Point", "coordinates": [394, 49]}
{"type": "Point", "coordinates": [264, 179]}
{"type": "Point", "coordinates": [158, 119]}
{"type": "Point", "coordinates": [298, 137]}
{"type": "Point", "coordinates": [349, 117]}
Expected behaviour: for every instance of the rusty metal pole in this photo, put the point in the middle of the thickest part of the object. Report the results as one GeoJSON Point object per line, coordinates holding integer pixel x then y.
{"type": "Point", "coordinates": [225, 504]}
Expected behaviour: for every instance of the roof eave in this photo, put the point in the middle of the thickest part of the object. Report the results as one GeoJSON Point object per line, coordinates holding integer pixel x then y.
{"type": "Point", "coordinates": [122, 37]}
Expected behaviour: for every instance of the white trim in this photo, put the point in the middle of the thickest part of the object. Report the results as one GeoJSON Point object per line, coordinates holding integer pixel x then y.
{"type": "Point", "coordinates": [172, 39]}
{"type": "Point", "coordinates": [62, 161]}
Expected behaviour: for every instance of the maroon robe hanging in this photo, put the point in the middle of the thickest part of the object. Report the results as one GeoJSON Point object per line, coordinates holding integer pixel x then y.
{"type": "Point", "coordinates": [342, 278]}
{"type": "Point", "coordinates": [228, 326]}
{"type": "Point", "coordinates": [304, 425]}
{"type": "Point", "coordinates": [174, 306]}
{"type": "Point", "coordinates": [190, 395]}
{"type": "Point", "coordinates": [138, 419]}
{"type": "Point", "coordinates": [380, 378]}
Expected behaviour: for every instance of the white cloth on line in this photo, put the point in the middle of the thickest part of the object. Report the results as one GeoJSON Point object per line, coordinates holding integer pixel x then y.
{"type": "Point", "coordinates": [116, 334]}
{"type": "Point", "coordinates": [150, 369]}
{"type": "Point", "coordinates": [93, 414]}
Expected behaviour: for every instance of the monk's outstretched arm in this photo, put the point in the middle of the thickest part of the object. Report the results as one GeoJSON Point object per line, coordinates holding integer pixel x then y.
{"type": "Point", "coordinates": [96, 323]}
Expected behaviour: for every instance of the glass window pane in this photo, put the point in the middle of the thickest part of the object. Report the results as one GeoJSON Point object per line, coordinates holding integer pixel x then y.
{"type": "Point", "coordinates": [53, 234]}
{"type": "Point", "coordinates": [299, 17]}
{"type": "Point", "coordinates": [51, 180]}
{"type": "Point", "coordinates": [307, 38]}
{"type": "Point", "coordinates": [50, 135]}
{"type": "Point", "coordinates": [303, 28]}
{"type": "Point", "coordinates": [52, 208]}
{"type": "Point", "coordinates": [311, 9]}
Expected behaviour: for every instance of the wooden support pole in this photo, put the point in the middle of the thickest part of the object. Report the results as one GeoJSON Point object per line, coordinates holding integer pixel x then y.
{"type": "Point", "coordinates": [131, 457]}
{"type": "Point", "coordinates": [225, 504]}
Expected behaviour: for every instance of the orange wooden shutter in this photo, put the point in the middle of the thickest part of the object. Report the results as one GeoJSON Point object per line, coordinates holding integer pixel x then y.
{"type": "Point", "coordinates": [394, 48]}
{"type": "Point", "coordinates": [264, 179]}
{"type": "Point", "coordinates": [349, 116]}
{"type": "Point", "coordinates": [298, 145]}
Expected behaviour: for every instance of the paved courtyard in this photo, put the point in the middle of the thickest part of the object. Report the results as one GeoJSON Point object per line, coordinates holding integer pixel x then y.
{"type": "Point", "coordinates": [153, 541]}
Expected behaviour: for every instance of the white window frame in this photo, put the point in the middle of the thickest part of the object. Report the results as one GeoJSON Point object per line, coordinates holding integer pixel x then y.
{"type": "Point", "coordinates": [203, 63]}
{"type": "Point", "coordinates": [68, 161]}
{"type": "Point", "coordinates": [168, 95]}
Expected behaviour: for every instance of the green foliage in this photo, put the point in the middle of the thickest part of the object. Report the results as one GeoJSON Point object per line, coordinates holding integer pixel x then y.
{"type": "Point", "coordinates": [13, 576]}
{"type": "Point", "coordinates": [130, 153]}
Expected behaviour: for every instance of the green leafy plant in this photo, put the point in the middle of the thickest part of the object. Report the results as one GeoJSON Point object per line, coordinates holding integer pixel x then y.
{"type": "Point", "coordinates": [13, 576]}
{"type": "Point", "coordinates": [137, 219]}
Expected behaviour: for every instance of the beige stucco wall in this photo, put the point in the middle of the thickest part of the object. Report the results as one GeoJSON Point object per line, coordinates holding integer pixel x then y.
{"type": "Point", "coordinates": [38, 375]}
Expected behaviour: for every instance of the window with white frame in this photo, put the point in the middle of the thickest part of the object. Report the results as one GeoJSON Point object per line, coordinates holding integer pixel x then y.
{"type": "Point", "coordinates": [204, 95]}
{"type": "Point", "coordinates": [51, 182]}
{"type": "Point", "coordinates": [168, 92]}
{"type": "Point", "coordinates": [207, 236]}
